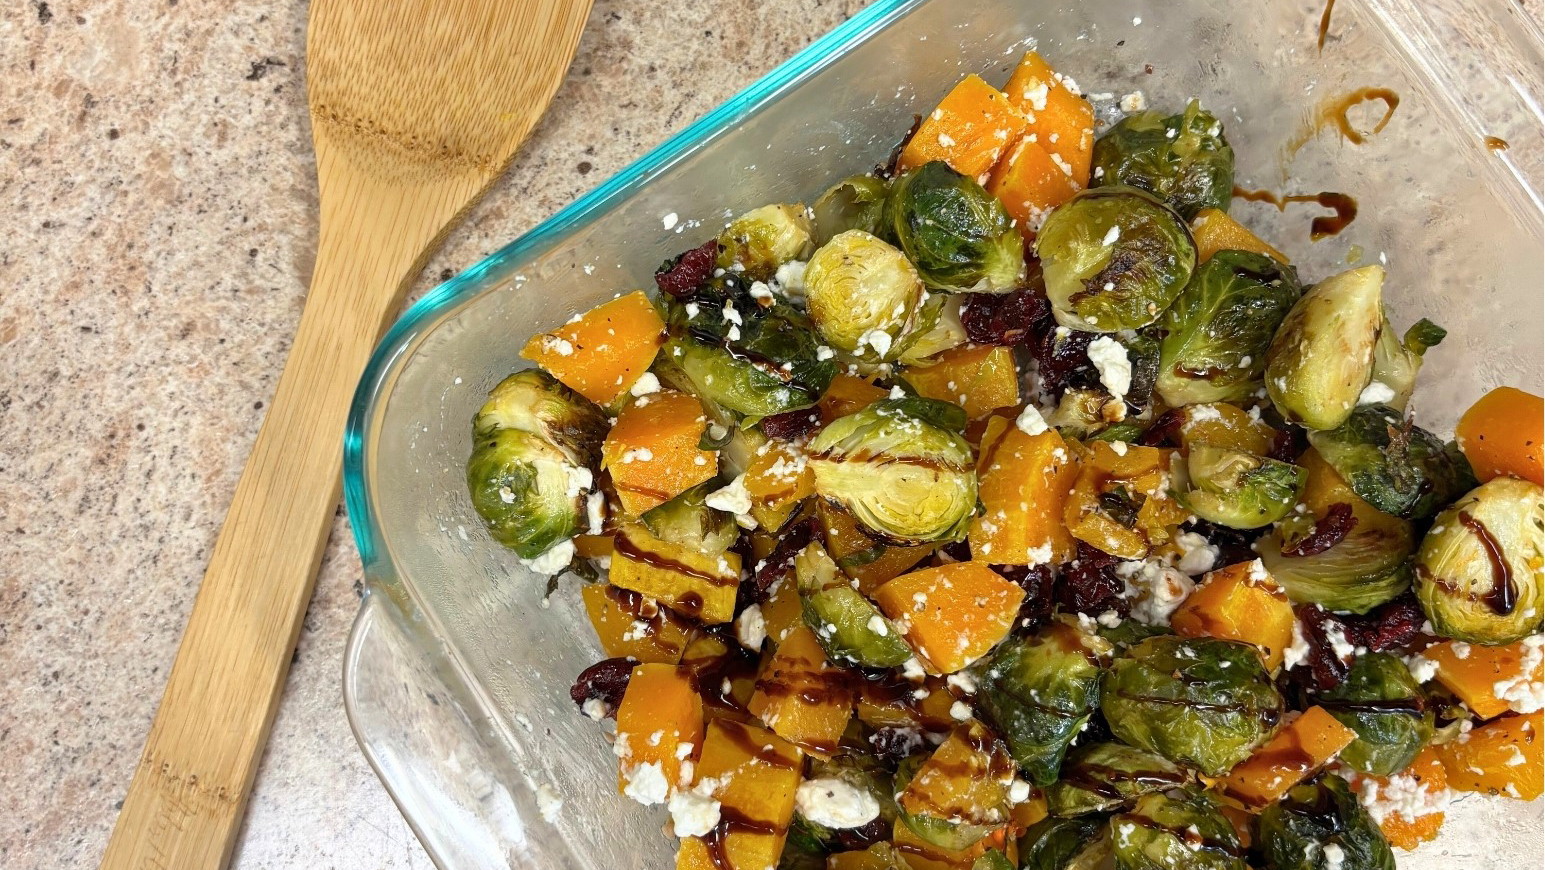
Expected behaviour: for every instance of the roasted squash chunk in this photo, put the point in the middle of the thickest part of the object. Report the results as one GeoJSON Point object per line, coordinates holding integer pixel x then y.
{"type": "Point", "coordinates": [757, 774]}
{"type": "Point", "coordinates": [690, 582]}
{"type": "Point", "coordinates": [603, 353]}
{"type": "Point", "coordinates": [633, 626]}
{"type": "Point", "coordinates": [1024, 482]}
{"type": "Point", "coordinates": [802, 697]}
{"type": "Point", "coordinates": [659, 730]}
{"type": "Point", "coordinates": [1240, 602]}
{"type": "Point", "coordinates": [652, 452]}
{"type": "Point", "coordinates": [953, 614]}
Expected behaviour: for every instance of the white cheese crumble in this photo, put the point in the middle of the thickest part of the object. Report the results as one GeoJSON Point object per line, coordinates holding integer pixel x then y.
{"type": "Point", "coordinates": [637, 454]}
{"type": "Point", "coordinates": [1376, 393]}
{"type": "Point", "coordinates": [647, 784]}
{"type": "Point", "coordinates": [1111, 235]}
{"type": "Point", "coordinates": [647, 383]}
{"type": "Point", "coordinates": [548, 803]}
{"type": "Point", "coordinates": [1197, 555]}
{"type": "Point", "coordinates": [960, 711]}
{"type": "Point", "coordinates": [670, 220]}
{"type": "Point", "coordinates": [1297, 651]}
{"type": "Point", "coordinates": [878, 339]}
{"type": "Point", "coordinates": [694, 813]}
{"type": "Point", "coordinates": [1339, 644]}
{"type": "Point", "coordinates": [1110, 360]}
{"type": "Point", "coordinates": [554, 560]}
{"type": "Point", "coordinates": [878, 625]}
{"type": "Point", "coordinates": [596, 709]}
{"type": "Point", "coordinates": [559, 346]}
{"type": "Point", "coordinates": [1422, 669]}
{"type": "Point", "coordinates": [734, 499]}
{"type": "Point", "coordinates": [790, 279]}
{"type": "Point", "coordinates": [751, 628]}
{"type": "Point", "coordinates": [835, 803]}
{"type": "Point", "coordinates": [1036, 96]}
{"type": "Point", "coordinates": [1019, 792]}
{"type": "Point", "coordinates": [595, 513]}
{"type": "Point", "coordinates": [1525, 694]}
{"type": "Point", "coordinates": [1155, 589]}
{"type": "Point", "coordinates": [1030, 421]}
{"type": "Point", "coordinates": [1134, 102]}
{"type": "Point", "coordinates": [1334, 856]}
{"type": "Point", "coordinates": [1400, 795]}
{"type": "Point", "coordinates": [898, 393]}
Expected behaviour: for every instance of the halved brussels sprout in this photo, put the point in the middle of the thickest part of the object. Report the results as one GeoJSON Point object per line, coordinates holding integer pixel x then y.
{"type": "Point", "coordinates": [1083, 414]}
{"type": "Point", "coordinates": [938, 329]}
{"type": "Point", "coordinates": [1114, 258]}
{"type": "Point", "coordinates": [1322, 355]}
{"type": "Point", "coordinates": [903, 477]}
{"type": "Point", "coordinates": [1478, 569]}
{"type": "Point", "coordinates": [1039, 692]}
{"type": "Point", "coordinates": [856, 203]}
{"type": "Point", "coordinates": [1182, 159]}
{"type": "Point", "coordinates": [1201, 702]}
{"type": "Point", "coordinates": [1394, 465]}
{"type": "Point", "coordinates": [688, 521]}
{"type": "Point", "coordinates": [1396, 361]}
{"type": "Point", "coordinates": [1382, 702]}
{"type": "Point", "coordinates": [1181, 831]}
{"type": "Point", "coordinates": [1320, 825]}
{"type": "Point", "coordinates": [531, 400]}
{"type": "Point", "coordinates": [745, 386]}
{"type": "Point", "coordinates": [1104, 776]}
{"type": "Point", "coordinates": [1218, 329]}
{"type": "Point", "coordinates": [993, 860]}
{"type": "Point", "coordinates": [848, 626]}
{"type": "Point", "coordinates": [955, 232]}
{"type": "Point", "coordinates": [1233, 488]}
{"type": "Point", "coordinates": [762, 239]}
{"type": "Point", "coordinates": [863, 295]}
{"type": "Point", "coordinates": [1065, 844]}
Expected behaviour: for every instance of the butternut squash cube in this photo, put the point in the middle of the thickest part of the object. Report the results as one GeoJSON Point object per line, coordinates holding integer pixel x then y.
{"type": "Point", "coordinates": [896, 703]}
{"type": "Point", "coordinates": [802, 697]}
{"type": "Point", "coordinates": [847, 394]}
{"type": "Point", "coordinates": [778, 480]}
{"type": "Point", "coordinates": [978, 378]}
{"type": "Point", "coordinates": [1296, 751]}
{"type": "Point", "coordinates": [1240, 602]}
{"type": "Point", "coordinates": [1214, 231]}
{"type": "Point", "coordinates": [726, 676]}
{"type": "Point", "coordinates": [1061, 119]}
{"type": "Point", "coordinates": [1500, 757]}
{"type": "Point", "coordinates": [604, 352]}
{"type": "Point", "coordinates": [630, 625]}
{"type": "Point", "coordinates": [1030, 184]}
{"type": "Point", "coordinates": [1023, 484]}
{"type": "Point", "coordinates": [758, 773]}
{"type": "Point", "coordinates": [698, 585]}
{"type": "Point", "coordinates": [1408, 831]}
{"type": "Point", "coordinates": [861, 557]}
{"type": "Point", "coordinates": [659, 728]}
{"type": "Point", "coordinates": [966, 778]}
{"type": "Point", "coordinates": [783, 611]}
{"type": "Point", "coordinates": [953, 614]}
{"type": "Point", "coordinates": [1482, 674]}
{"type": "Point", "coordinates": [652, 450]}
{"type": "Point", "coordinates": [972, 127]}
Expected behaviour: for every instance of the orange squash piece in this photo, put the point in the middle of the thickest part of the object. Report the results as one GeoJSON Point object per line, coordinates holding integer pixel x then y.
{"type": "Point", "coordinates": [1475, 676]}
{"type": "Point", "coordinates": [783, 611]}
{"type": "Point", "coordinates": [695, 584]}
{"type": "Point", "coordinates": [802, 697]}
{"type": "Point", "coordinates": [847, 394]}
{"type": "Point", "coordinates": [1134, 470]}
{"type": "Point", "coordinates": [863, 558]}
{"type": "Point", "coordinates": [778, 480]}
{"type": "Point", "coordinates": [1223, 425]}
{"type": "Point", "coordinates": [652, 450]}
{"type": "Point", "coordinates": [1408, 832]}
{"type": "Point", "coordinates": [1023, 484]}
{"type": "Point", "coordinates": [952, 614]}
{"type": "Point", "coordinates": [1240, 602]}
{"type": "Point", "coordinates": [758, 773]}
{"type": "Point", "coordinates": [1214, 231]}
{"type": "Point", "coordinates": [630, 625]}
{"type": "Point", "coordinates": [1500, 757]}
{"type": "Point", "coordinates": [1504, 433]}
{"type": "Point", "coordinates": [1030, 184]}
{"type": "Point", "coordinates": [901, 704]}
{"type": "Point", "coordinates": [1296, 751]}
{"type": "Point", "coordinates": [712, 654]}
{"type": "Point", "coordinates": [978, 378]}
{"type": "Point", "coordinates": [972, 127]}
{"type": "Point", "coordinates": [1029, 812]}
{"type": "Point", "coordinates": [603, 353]}
{"type": "Point", "coordinates": [1062, 121]}
{"type": "Point", "coordinates": [967, 777]}
{"type": "Point", "coordinates": [660, 712]}
{"type": "Point", "coordinates": [923, 855]}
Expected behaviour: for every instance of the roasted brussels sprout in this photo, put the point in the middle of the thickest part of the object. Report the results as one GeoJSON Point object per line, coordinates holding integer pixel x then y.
{"type": "Point", "coordinates": [1382, 702]}
{"type": "Point", "coordinates": [1218, 329]}
{"type": "Point", "coordinates": [1114, 258]}
{"type": "Point", "coordinates": [534, 442]}
{"type": "Point", "coordinates": [1104, 776]}
{"type": "Point", "coordinates": [859, 800]}
{"type": "Point", "coordinates": [688, 521]}
{"type": "Point", "coordinates": [955, 232]}
{"type": "Point", "coordinates": [1182, 159]}
{"type": "Point", "coordinates": [1322, 355]}
{"type": "Point", "coordinates": [762, 239]}
{"type": "Point", "coordinates": [741, 384]}
{"type": "Point", "coordinates": [903, 476]}
{"type": "Point", "coordinates": [1478, 569]}
{"type": "Point", "coordinates": [856, 203]}
{"type": "Point", "coordinates": [1039, 692]}
{"type": "Point", "coordinates": [1396, 361]}
{"type": "Point", "coordinates": [938, 329]}
{"type": "Point", "coordinates": [1320, 825]}
{"type": "Point", "coordinates": [848, 626]}
{"type": "Point", "coordinates": [1084, 413]}
{"type": "Point", "coordinates": [1184, 831]}
{"type": "Point", "coordinates": [863, 296]}
{"type": "Point", "coordinates": [1394, 465]}
{"type": "Point", "coordinates": [1201, 702]}
{"type": "Point", "coordinates": [1065, 844]}
{"type": "Point", "coordinates": [1233, 488]}
{"type": "Point", "coordinates": [993, 860]}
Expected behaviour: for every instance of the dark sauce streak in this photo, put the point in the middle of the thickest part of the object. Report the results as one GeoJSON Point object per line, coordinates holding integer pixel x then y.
{"type": "Point", "coordinates": [1191, 838]}
{"type": "Point", "coordinates": [1321, 227]}
{"type": "Point", "coordinates": [1325, 22]}
{"type": "Point", "coordinates": [1414, 706]}
{"type": "Point", "coordinates": [1101, 779]}
{"type": "Point", "coordinates": [731, 822]}
{"type": "Point", "coordinates": [624, 546]}
{"type": "Point", "coordinates": [1496, 144]}
{"type": "Point", "coordinates": [1336, 112]}
{"type": "Point", "coordinates": [1503, 596]}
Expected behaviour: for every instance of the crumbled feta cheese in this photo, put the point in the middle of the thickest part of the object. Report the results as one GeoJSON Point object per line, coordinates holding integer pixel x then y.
{"type": "Point", "coordinates": [670, 220]}
{"type": "Point", "coordinates": [1155, 589]}
{"type": "Point", "coordinates": [1297, 651]}
{"type": "Point", "coordinates": [1339, 644]}
{"type": "Point", "coordinates": [751, 628]}
{"type": "Point", "coordinates": [554, 561]}
{"type": "Point", "coordinates": [1422, 669]}
{"type": "Point", "coordinates": [595, 513]}
{"type": "Point", "coordinates": [1110, 360]}
{"type": "Point", "coordinates": [878, 625]}
{"type": "Point", "coordinates": [1119, 448]}
{"type": "Point", "coordinates": [647, 383]}
{"type": "Point", "coordinates": [1376, 393]}
{"type": "Point", "coordinates": [579, 480]}
{"type": "Point", "coordinates": [548, 803]}
{"type": "Point", "coordinates": [694, 813]}
{"type": "Point", "coordinates": [1111, 235]}
{"type": "Point", "coordinates": [762, 293]}
{"type": "Point", "coordinates": [824, 353]}
{"type": "Point", "coordinates": [1525, 694]}
{"type": "Point", "coordinates": [637, 454]}
{"type": "Point", "coordinates": [1109, 619]}
{"type": "Point", "coordinates": [595, 708]}
{"type": "Point", "coordinates": [898, 393]}
{"type": "Point", "coordinates": [1030, 421]}
{"type": "Point", "coordinates": [1401, 795]}
{"type": "Point", "coordinates": [1134, 102]}
{"type": "Point", "coordinates": [962, 681]}
{"type": "Point", "coordinates": [647, 784]}
{"type": "Point", "coordinates": [1334, 854]}
{"type": "Point", "coordinates": [1197, 555]}
{"type": "Point", "coordinates": [878, 339]}
{"type": "Point", "coordinates": [912, 669]}
{"type": "Point", "coordinates": [734, 499]}
{"type": "Point", "coordinates": [790, 279]}
{"type": "Point", "coordinates": [1036, 96]}
{"type": "Point", "coordinates": [559, 346]}
{"type": "Point", "coordinates": [1019, 791]}
{"type": "Point", "coordinates": [835, 803]}
{"type": "Point", "coordinates": [960, 711]}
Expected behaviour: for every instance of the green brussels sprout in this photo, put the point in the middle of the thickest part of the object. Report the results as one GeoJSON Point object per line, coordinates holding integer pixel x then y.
{"type": "Point", "coordinates": [1322, 355]}
{"type": "Point", "coordinates": [1202, 702]}
{"type": "Point", "coordinates": [993, 860]}
{"type": "Point", "coordinates": [1183, 831]}
{"type": "Point", "coordinates": [534, 442]}
{"type": "Point", "coordinates": [850, 629]}
{"type": "Point", "coordinates": [1103, 776]}
{"type": "Point", "coordinates": [903, 476]}
{"type": "Point", "coordinates": [1065, 844]}
{"type": "Point", "coordinates": [938, 329]}
{"type": "Point", "coordinates": [1131, 632]}
{"type": "Point", "coordinates": [856, 203]}
{"type": "Point", "coordinates": [863, 296]}
{"type": "Point", "coordinates": [1394, 465]}
{"type": "Point", "coordinates": [1182, 159]}
{"type": "Point", "coordinates": [1114, 258]}
{"type": "Point", "coordinates": [1478, 569]}
{"type": "Point", "coordinates": [1039, 692]}
{"type": "Point", "coordinates": [803, 848]}
{"type": "Point", "coordinates": [956, 233]}
{"type": "Point", "coordinates": [1085, 413]}
{"type": "Point", "coordinates": [688, 521]}
{"type": "Point", "coordinates": [762, 239]}
{"type": "Point", "coordinates": [1128, 431]}
{"type": "Point", "coordinates": [1320, 825]}
{"type": "Point", "coordinates": [1233, 488]}
{"type": "Point", "coordinates": [1396, 361]}
{"type": "Point", "coordinates": [1382, 702]}
{"type": "Point", "coordinates": [1361, 572]}
{"type": "Point", "coordinates": [1218, 329]}
{"type": "Point", "coordinates": [737, 383]}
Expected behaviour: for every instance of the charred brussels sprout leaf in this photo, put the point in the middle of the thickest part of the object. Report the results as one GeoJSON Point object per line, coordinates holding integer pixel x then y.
{"type": "Point", "coordinates": [856, 203]}
{"type": "Point", "coordinates": [955, 232]}
{"type": "Point", "coordinates": [1114, 258]}
{"type": "Point", "coordinates": [1104, 776]}
{"type": "Point", "coordinates": [1040, 692]}
{"type": "Point", "coordinates": [1182, 159]}
{"type": "Point", "coordinates": [1396, 361]}
{"type": "Point", "coordinates": [686, 520]}
{"type": "Point", "coordinates": [1235, 489]}
{"type": "Point", "coordinates": [1182, 832]}
{"type": "Point", "coordinates": [1362, 571]}
{"type": "Point", "coordinates": [1382, 702]}
{"type": "Point", "coordinates": [1065, 844]}
{"type": "Point", "coordinates": [1392, 464]}
{"type": "Point", "coordinates": [1322, 355]}
{"type": "Point", "coordinates": [1201, 702]}
{"type": "Point", "coordinates": [904, 477]}
{"type": "Point", "coordinates": [850, 629]}
{"type": "Point", "coordinates": [1478, 569]}
{"type": "Point", "coordinates": [863, 296]}
{"type": "Point", "coordinates": [1218, 330]}
{"type": "Point", "coordinates": [938, 329]}
{"type": "Point", "coordinates": [761, 240]}
{"type": "Point", "coordinates": [1320, 826]}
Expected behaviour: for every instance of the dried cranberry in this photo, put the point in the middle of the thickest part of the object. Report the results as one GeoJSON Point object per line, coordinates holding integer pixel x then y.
{"type": "Point", "coordinates": [960, 551]}
{"type": "Point", "coordinates": [791, 425]}
{"type": "Point", "coordinates": [1002, 318]}
{"type": "Point", "coordinates": [1288, 444]}
{"type": "Point", "coordinates": [858, 839]}
{"type": "Point", "coordinates": [1328, 531]}
{"type": "Point", "coordinates": [1234, 545]}
{"type": "Point", "coordinates": [1040, 593]}
{"type": "Point", "coordinates": [1326, 669]}
{"type": "Point", "coordinates": [1062, 357]}
{"type": "Point", "coordinates": [1165, 430]}
{"type": "Point", "coordinates": [1089, 583]}
{"type": "Point", "coordinates": [1390, 626]}
{"type": "Point", "coordinates": [780, 562]}
{"type": "Point", "coordinates": [682, 276]}
{"type": "Point", "coordinates": [604, 681]}
{"type": "Point", "coordinates": [892, 745]}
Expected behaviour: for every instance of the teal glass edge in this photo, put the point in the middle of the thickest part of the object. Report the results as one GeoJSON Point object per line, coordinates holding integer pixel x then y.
{"type": "Point", "coordinates": [464, 286]}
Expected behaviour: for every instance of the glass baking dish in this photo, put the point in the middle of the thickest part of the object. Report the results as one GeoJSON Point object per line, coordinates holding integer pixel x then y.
{"type": "Point", "coordinates": [457, 675]}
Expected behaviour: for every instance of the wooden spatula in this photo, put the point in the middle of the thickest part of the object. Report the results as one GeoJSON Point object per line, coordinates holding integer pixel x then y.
{"type": "Point", "coordinates": [417, 106]}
